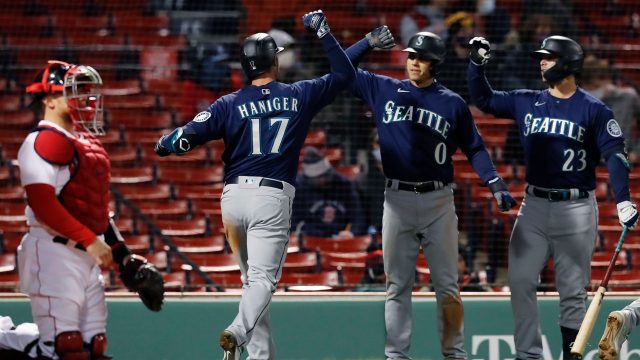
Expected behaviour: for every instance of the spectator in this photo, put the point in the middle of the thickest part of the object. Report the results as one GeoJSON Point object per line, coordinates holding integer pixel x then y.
{"type": "Point", "coordinates": [290, 65]}
{"type": "Point", "coordinates": [558, 10]}
{"type": "Point", "coordinates": [597, 79]}
{"type": "Point", "coordinates": [427, 15]}
{"type": "Point", "coordinates": [470, 280]}
{"type": "Point", "coordinates": [326, 203]}
{"type": "Point", "coordinates": [371, 186]}
{"type": "Point", "coordinates": [373, 278]}
{"type": "Point", "coordinates": [461, 29]}
{"type": "Point", "coordinates": [491, 20]}
{"type": "Point", "coordinates": [518, 69]}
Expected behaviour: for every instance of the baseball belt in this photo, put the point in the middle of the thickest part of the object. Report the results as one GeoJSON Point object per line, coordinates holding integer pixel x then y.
{"type": "Point", "coordinates": [65, 241]}
{"type": "Point", "coordinates": [557, 194]}
{"type": "Point", "coordinates": [419, 188]}
{"type": "Point", "coordinates": [264, 182]}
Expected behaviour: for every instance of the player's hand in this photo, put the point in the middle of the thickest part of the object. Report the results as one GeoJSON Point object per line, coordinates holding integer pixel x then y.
{"type": "Point", "coordinates": [381, 38]}
{"type": "Point", "coordinates": [479, 50]}
{"type": "Point", "coordinates": [315, 21]}
{"type": "Point", "coordinates": [628, 214]}
{"type": "Point", "coordinates": [501, 194]}
{"type": "Point", "coordinates": [101, 252]}
{"type": "Point", "coordinates": [160, 149]}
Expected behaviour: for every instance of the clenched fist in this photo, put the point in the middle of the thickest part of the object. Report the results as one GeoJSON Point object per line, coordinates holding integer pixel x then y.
{"type": "Point", "coordinates": [479, 50]}
{"type": "Point", "coordinates": [315, 21]}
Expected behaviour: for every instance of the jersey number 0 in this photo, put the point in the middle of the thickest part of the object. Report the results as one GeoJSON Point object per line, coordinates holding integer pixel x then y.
{"type": "Point", "coordinates": [256, 141]}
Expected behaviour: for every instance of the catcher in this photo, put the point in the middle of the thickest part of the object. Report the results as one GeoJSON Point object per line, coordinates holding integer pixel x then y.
{"type": "Point", "coordinates": [66, 173]}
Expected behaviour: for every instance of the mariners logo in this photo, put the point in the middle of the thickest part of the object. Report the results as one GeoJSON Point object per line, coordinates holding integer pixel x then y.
{"type": "Point", "coordinates": [613, 128]}
{"type": "Point", "coordinates": [419, 40]}
{"type": "Point", "coordinates": [202, 116]}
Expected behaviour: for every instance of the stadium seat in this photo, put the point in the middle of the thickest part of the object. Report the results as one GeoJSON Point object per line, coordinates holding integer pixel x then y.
{"type": "Point", "coordinates": [145, 191]}
{"type": "Point", "coordinates": [138, 244]}
{"type": "Point", "coordinates": [8, 263]}
{"type": "Point", "coordinates": [10, 103]}
{"type": "Point", "coordinates": [122, 87]}
{"type": "Point", "coordinates": [215, 263]}
{"type": "Point", "coordinates": [159, 209]}
{"type": "Point", "coordinates": [191, 175]}
{"type": "Point", "coordinates": [10, 282]}
{"type": "Point", "coordinates": [139, 119]}
{"type": "Point", "coordinates": [139, 101]}
{"type": "Point", "coordinates": [323, 281]}
{"type": "Point", "coordinates": [198, 157]}
{"type": "Point", "coordinates": [132, 175]}
{"type": "Point", "coordinates": [197, 227]}
{"type": "Point", "coordinates": [357, 244]}
{"type": "Point", "coordinates": [195, 192]}
{"type": "Point", "coordinates": [316, 138]}
{"type": "Point", "coordinates": [124, 157]}
{"type": "Point", "coordinates": [199, 245]}
{"type": "Point", "coordinates": [351, 172]}
{"type": "Point", "coordinates": [354, 262]}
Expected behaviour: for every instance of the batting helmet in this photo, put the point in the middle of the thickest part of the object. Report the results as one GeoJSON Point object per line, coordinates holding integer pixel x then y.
{"type": "Point", "coordinates": [258, 53]}
{"type": "Point", "coordinates": [569, 54]}
{"type": "Point", "coordinates": [429, 46]}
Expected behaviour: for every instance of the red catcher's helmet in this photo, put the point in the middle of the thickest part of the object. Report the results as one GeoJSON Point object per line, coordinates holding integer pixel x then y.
{"type": "Point", "coordinates": [80, 85]}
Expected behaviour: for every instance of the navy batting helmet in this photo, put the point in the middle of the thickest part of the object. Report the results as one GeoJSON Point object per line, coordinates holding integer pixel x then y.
{"type": "Point", "coordinates": [429, 46]}
{"type": "Point", "coordinates": [258, 53]}
{"type": "Point", "coordinates": [569, 54]}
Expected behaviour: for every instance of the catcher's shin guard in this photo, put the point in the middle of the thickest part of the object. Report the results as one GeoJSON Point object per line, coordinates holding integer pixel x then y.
{"type": "Point", "coordinates": [69, 346]}
{"type": "Point", "coordinates": [98, 347]}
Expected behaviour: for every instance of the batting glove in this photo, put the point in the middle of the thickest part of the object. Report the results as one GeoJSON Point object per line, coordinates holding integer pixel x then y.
{"type": "Point", "coordinates": [627, 214]}
{"type": "Point", "coordinates": [315, 21]}
{"type": "Point", "coordinates": [501, 193]}
{"type": "Point", "coordinates": [381, 38]}
{"type": "Point", "coordinates": [479, 50]}
{"type": "Point", "coordinates": [160, 149]}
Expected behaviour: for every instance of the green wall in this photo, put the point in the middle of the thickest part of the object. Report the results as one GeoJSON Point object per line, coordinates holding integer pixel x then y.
{"type": "Point", "coordinates": [320, 327]}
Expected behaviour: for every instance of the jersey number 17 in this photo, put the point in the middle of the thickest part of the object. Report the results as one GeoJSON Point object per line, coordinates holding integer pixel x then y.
{"type": "Point", "coordinates": [279, 125]}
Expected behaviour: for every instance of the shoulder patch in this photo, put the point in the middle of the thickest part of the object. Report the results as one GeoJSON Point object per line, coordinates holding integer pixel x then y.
{"type": "Point", "coordinates": [202, 116]}
{"type": "Point", "coordinates": [54, 147]}
{"type": "Point", "coordinates": [613, 128]}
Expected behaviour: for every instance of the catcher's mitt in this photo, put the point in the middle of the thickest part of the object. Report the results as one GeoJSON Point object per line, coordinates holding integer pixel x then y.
{"type": "Point", "coordinates": [142, 277]}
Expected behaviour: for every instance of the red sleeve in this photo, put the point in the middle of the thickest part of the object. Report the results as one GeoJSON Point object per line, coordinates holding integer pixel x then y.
{"type": "Point", "coordinates": [49, 211]}
{"type": "Point", "coordinates": [54, 147]}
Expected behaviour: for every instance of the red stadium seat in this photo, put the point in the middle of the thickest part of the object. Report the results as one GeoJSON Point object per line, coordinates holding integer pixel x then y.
{"type": "Point", "coordinates": [10, 282]}
{"type": "Point", "coordinates": [316, 137]}
{"type": "Point", "coordinates": [8, 263]}
{"type": "Point", "coordinates": [23, 119]}
{"type": "Point", "coordinates": [138, 244]}
{"type": "Point", "coordinates": [200, 156]}
{"type": "Point", "coordinates": [215, 263]}
{"type": "Point", "coordinates": [191, 175]}
{"type": "Point", "coordinates": [145, 192]}
{"type": "Point", "coordinates": [139, 101]}
{"type": "Point", "coordinates": [203, 192]}
{"type": "Point", "coordinates": [196, 227]}
{"type": "Point", "coordinates": [158, 209]}
{"type": "Point", "coordinates": [12, 193]}
{"type": "Point", "coordinates": [323, 281]}
{"type": "Point", "coordinates": [124, 156]}
{"type": "Point", "coordinates": [351, 172]}
{"type": "Point", "coordinates": [357, 244]}
{"type": "Point", "coordinates": [139, 119]}
{"type": "Point", "coordinates": [127, 175]}
{"type": "Point", "coordinates": [10, 103]}
{"type": "Point", "coordinates": [206, 244]}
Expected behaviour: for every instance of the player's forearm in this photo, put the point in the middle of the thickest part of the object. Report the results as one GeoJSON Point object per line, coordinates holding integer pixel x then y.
{"type": "Point", "coordinates": [479, 89]}
{"type": "Point", "coordinates": [181, 140]}
{"type": "Point", "coordinates": [114, 239]}
{"type": "Point", "coordinates": [341, 68]}
{"type": "Point", "coordinates": [619, 177]}
{"type": "Point", "coordinates": [482, 164]}
{"type": "Point", "coordinates": [51, 213]}
{"type": "Point", "coordinates": [357, 51]}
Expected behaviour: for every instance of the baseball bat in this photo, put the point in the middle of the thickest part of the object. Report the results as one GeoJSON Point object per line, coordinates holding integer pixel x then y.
{"type": "Point", "coordinates": [577, 350]}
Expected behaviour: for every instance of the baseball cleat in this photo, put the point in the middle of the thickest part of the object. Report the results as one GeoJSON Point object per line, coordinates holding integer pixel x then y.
{"type": "Point", "coordinates": [229, 346]}
{"type": "Point", "coordinates": [614, 335]}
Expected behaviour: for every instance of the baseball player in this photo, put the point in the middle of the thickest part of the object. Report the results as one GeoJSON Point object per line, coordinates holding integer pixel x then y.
{"type": "Point", "coordinates": [564, 132]}
{"type": "Point", "coordinates": [263, 126]}
{"type": "Point", "coordinates": [421, 124]}
{"type": "Point", "coordinates": [65, 172]}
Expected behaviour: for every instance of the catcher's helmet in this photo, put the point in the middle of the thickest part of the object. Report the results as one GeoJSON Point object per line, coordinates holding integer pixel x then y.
{"type": "Point", "coordinates": [429, 46]}
{"type": "Point", "coordinates": [258, 53]}
{"type": "Point", "coordinates": [569, 53]}
{"type": "Point", "coordinates": [79, 84]}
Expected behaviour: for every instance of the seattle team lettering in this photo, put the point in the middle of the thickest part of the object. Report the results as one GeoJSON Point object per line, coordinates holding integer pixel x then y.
{"type": "Point", "coordinates": [553, 126]}
{"type": "Point", "coordinates": [267, 106]}
{"type": "Point", "coordinates": [423, 117]}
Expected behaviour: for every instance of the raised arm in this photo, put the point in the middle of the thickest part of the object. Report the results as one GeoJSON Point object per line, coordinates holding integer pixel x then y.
{"type": "Point", "coordinates": [498, 103]}
{"type": "Point", "coordinates": [380, 37]}
{"type": "Point", "coordinates": [342, 70]}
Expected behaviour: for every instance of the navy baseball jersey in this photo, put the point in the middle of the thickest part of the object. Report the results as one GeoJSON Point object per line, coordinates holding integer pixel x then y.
{"type": "Point", "coordinates": [264, 127]}
{"type": "Point", "coordinates": [419, 128]}
{"type": "Point", "coordinates": [562, 139]}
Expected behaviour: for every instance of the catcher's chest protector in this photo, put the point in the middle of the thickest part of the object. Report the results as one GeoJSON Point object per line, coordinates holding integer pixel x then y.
{"type": "Point", "coordinates": [86, 195]}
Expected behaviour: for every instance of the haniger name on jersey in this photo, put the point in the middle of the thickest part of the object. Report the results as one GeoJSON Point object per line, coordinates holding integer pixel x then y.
{"type": "Point", "coordinates": [266, 106]}
{"type": "Point", "coordinates": [553, 126]}
{"type": "Point", "coordinates": [422, 116]}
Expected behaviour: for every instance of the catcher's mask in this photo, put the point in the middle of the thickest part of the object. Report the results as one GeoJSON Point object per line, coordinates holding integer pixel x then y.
{"type": "Point", "coordinates": [80, 85]}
